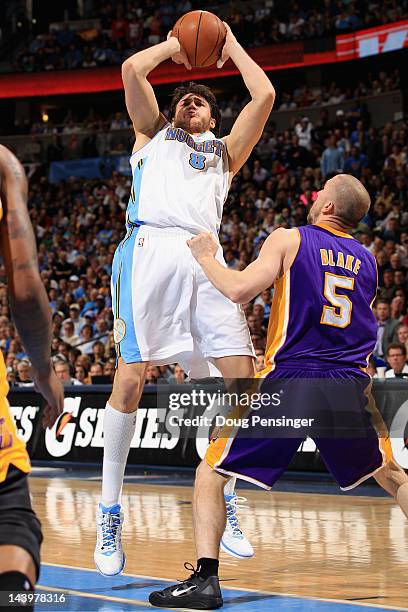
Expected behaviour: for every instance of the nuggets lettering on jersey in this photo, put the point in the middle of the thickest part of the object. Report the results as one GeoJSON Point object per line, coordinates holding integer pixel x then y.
{"type": "Point", "coordinates": [208, 146]}
{"type": "Point", "coordinates": [321, 311]}
{"type": "Point", "coordinates": [179, 180]}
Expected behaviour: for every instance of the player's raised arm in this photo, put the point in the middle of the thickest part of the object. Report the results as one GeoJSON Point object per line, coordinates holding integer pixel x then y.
{"type": "Point", "coordinates": [250, 123]}
{"type": "Point", "coordinates": [141, 102]}
{"type": "Point", "coordinates": [277, 254]}
{"type": "Point", "coordinates": [28, 300]}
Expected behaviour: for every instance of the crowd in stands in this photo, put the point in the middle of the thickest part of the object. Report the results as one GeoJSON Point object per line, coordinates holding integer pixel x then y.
{"type": "Point", "coordinates": [79, 223]}
{"type": "Point", "coordinates": [127, 27]}
{"type": "Point", "coordinates": [370, 85]}
{"type": "Point", "coordinates": [96, 135]}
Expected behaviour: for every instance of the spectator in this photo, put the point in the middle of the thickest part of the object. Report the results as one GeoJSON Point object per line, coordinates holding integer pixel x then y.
{"type": "Point", "coordinates": [265, 300]}
{"type": "Point", "coordinates": [385, 328]}
{"type": "Point", "coordinates": [396, 309]}
{"type": "Point", "coordinates": [86, 344]}
{"type": "Point", "coordinates": [96, 370]}
{"type": "Point", "coordinates": [332, 160]}
{"type": "Point", "coordinates": [402, 334]}
{"type": "Point", "coordinates": [387, 289]}
{"type": "Point", "coordinates": [23, 378]}
{"type": "Point", "coordinates": [109, 368]}
{"type": "Point", "coordinates": [77, 320]}
{"type": "Point", "coordinates": [68, 334]}
{"type": "Point", "coordinates": [355, 162]}
{"type": "Point", "coordinates": [260, 363]}
{"type": "Point", "coordinates": [80, 374]}
{"type": "Point", "coordinates": [178, 377]}
{"type": "Point", "coordinates": [303, 131]}
{"type": "Point", "coordinates": [63, 373]}
{"type": "Point", "coordinates": [98, 352]}
{"type": "Point", "coordinates": [152, 375]}
{"type": "Point", "coordinates": [397, 357]}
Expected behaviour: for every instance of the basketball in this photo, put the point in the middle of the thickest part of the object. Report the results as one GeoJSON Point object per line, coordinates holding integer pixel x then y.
{"type": "Point", "coordinates": [202, 36]}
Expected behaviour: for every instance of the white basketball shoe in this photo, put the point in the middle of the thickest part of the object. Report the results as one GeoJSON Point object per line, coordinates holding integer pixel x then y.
{"type": "Point", "coordinates": [233, 541]}
{"type": "Point", "coordinates": [109, 556]}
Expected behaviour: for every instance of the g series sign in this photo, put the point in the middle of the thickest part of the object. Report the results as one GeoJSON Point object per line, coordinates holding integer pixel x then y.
{"type": "Point", "coordinates": [77, 435]}
{"type": "Point", "coordinates": [160, 437]}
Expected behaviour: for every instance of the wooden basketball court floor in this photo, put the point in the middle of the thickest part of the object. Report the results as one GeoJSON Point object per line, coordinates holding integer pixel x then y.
{"type": "Point", "coordinates": [313, 552]}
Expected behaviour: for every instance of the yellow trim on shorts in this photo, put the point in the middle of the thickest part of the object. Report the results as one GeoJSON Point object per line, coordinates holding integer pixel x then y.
{"type": "Point", "coordinates": [278, 322]}
{"type": "Point", "coordinates": [219, 447]}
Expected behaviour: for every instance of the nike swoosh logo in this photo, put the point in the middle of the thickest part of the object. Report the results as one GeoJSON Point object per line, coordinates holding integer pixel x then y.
{"type": "Point", "coordinates": [177, 592]}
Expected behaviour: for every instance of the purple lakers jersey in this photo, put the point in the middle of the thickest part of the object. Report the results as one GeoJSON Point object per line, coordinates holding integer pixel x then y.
{"type": "Point", "coordinates": [321, 310]}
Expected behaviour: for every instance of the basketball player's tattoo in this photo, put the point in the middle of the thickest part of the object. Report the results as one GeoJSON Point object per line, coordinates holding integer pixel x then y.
{"type": "Point", "coordinates": [17, 229]}
{"type": "Point", "coordinates": [26, 265]}
{"type": "Point", "coordinates": [16, 169]}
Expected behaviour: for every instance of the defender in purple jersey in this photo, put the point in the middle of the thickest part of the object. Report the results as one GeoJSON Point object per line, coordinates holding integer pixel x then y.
{"type": "Point", "coordinates": [321, 328]}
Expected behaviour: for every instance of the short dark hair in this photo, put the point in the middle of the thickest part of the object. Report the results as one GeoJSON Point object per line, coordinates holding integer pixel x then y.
{"type": "Point", "coordinates": [381, 301]}
{"type": "Point", "coordinates": [395, 346]}
{"type": "Point", "coordinates": [200, 90]}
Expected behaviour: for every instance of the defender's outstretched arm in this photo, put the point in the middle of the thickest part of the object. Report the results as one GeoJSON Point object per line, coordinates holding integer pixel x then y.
{"type": "Point", "coordinates": [276, 255]}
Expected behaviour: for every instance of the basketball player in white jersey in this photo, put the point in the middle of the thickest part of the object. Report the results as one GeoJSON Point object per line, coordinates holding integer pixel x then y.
{"type": "Point", "coordinates": [165, 309]}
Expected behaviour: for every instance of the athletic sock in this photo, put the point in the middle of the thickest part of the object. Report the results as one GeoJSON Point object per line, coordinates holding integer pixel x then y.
{"type": "Point", "coordinates": [207, 567]}
{"type": "Point", "coordinates": [229, 488]}
{"type": "Point", "coordinates": [118, 430]}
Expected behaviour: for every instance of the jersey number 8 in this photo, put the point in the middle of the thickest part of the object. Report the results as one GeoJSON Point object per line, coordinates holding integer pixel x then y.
{"type": "Point", "coordinates": [197, 161]}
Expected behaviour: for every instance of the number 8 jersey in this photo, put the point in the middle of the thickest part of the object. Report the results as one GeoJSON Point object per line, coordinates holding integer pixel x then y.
{"type": "Point", "coordinates": [322, 307]}
{"type": "Point", "coordinates": [179, 181]}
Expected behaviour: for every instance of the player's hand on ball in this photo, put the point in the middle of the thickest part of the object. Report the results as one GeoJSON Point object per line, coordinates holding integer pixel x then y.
{"type": "Point", "coordinates": [203, 245]}
{"type": "Point", "coordinates": [229, 41]}
{"type": "Point", "coordinates": [180, 57]}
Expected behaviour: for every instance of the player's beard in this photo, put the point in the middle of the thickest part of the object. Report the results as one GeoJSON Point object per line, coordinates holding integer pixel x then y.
{"type": "Point", "coordinates": [192, 125]}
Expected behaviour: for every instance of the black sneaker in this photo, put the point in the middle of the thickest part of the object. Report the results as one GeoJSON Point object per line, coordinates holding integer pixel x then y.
{"type": "Point", "coordinates": [196, 593]}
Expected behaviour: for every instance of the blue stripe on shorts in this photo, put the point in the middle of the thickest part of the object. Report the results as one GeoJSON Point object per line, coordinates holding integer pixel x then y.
{"type": "Point", "coordinates": [125, 337]}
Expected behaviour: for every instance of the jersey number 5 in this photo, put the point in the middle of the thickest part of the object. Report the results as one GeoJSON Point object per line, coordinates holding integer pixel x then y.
{"type": "Point", "coordinates": [339, 313]}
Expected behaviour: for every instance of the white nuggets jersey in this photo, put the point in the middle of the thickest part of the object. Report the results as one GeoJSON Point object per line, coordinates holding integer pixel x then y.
{"type": "Point", "coordinates": [179, 181]}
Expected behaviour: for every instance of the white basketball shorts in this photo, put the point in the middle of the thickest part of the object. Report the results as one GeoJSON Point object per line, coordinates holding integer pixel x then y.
{"type": "Point", "coordinates": [165, 308]}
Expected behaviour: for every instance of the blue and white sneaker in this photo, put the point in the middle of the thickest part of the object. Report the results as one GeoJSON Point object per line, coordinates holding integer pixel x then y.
{"type": "Point", "coordinates": [233, 541]}
{"type": "Point", "coordinates": [109, 556]}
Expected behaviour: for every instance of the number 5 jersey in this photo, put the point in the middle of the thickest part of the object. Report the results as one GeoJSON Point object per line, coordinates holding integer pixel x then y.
{"type": "Point", "coordinates": [322, 307]}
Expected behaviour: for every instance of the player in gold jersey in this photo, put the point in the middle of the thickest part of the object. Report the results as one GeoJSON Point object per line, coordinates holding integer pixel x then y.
{"type": "Point", "coordinates": [20, 530]}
